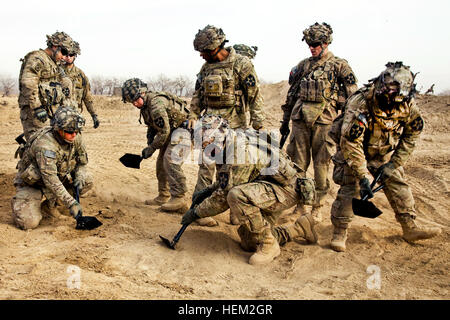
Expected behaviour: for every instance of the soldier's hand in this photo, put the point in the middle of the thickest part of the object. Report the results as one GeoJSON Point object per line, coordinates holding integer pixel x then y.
{"type": "Point", "coordinates": [365, 190]}
{"type": "Point", "coordinates": [147, 152]}
{"type": "Point", "coordinates": [284, 129]}
{"type": "Point", "coordinates": [96, 121]}
{"type": "Point", "coordinates": [41, 114]}
{"type": "Point", "coordinates": [190, 216]}
{"type": "Point", "coordinates": [75, 210]}
{"type": "Point", "coordinates": [385, 171]}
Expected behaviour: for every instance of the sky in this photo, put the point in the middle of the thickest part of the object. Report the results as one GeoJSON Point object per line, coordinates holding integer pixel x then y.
{"type": "Point", "coordinates": [143, 39]}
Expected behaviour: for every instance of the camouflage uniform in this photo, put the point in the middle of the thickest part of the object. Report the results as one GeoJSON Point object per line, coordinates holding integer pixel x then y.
{"type": "Point", "coordinates": [229, 88]}
{"type": "Point", "coordinates": [163, 113]}
{"type": "Point", "coordinates": [49, 167]}
{"type": "Point", "coordinates": [42, 82]}
{"type": "Point", "coordinates": [318, 86]}
{"type": "Point", "coordinates": [369, 137]}
{"type": "Point", "coordinates": [245, 50]}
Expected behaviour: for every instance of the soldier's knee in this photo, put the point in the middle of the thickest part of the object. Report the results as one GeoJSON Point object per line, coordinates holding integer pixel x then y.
{"type": "Point", "coordinates": [26, 213]}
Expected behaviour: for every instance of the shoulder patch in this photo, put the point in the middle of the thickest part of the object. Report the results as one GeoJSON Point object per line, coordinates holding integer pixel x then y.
{"type": "Point", "coordinates": [357, 128]}
{"type": "Point", "coordinates": [350, 79]}
{"type": "Point", "coordinates": [159, 122]}
{"type": "Point", "coordinates": [417, 124]}
{"type": "Point", "coordinates": [223, 179]}
{"type": "Point", "coordinates": [50, 154]}
{"type": "Point", "coordinates": [250, 80]}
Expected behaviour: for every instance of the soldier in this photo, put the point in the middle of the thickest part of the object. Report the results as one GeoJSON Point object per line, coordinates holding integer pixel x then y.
{"type": "Point", "coordinates": [162, 113]}
{"type": "Point", "coordinates": [54, 162]}
{"type": "Point", "coordinates": [245, 50]}
{"type": "Point", "coordinates": [256, 190]}
{"type": "Point", "coordinates": [227, 85]}
{"type": "Point", "coordinates": [42, 83]}
{"type": "Point", "coordinates": [319, 85]}
{"type": "Point", "coordinates": [81, 91]}
{"type": "Point", "coordinates": [376, 135]}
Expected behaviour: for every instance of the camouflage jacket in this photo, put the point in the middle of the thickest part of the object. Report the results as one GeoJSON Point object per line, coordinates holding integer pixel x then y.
{"type": "Point", "coordinates": [81, 90]}
{"type": "Point", "coordinates": [370, 137]}
{"type": "Point", "coordinates": [50, 161]}
{"type": "Point", "coordinates": [38, 68]}
{"type": "Point", "coordinates": [248, 158]}
{"type": "Point", "coordinates": [229, 88]}
{"type": "Point", "coordinates": [319, 88]}
{"type": "Point", "coordinates": [162, 113]}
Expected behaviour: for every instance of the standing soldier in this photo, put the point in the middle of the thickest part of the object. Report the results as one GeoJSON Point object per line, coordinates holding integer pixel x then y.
{"type": "Point", "coordinates": [227, 85]}
{"type": "Point", "coordinates": [54, 161]}
{"type": "Point", "coordinates": [81, 91]}
{"type": "Point", "coordinates": [245, 50]}
{"type": "Point", "coordinates": [319, 85]}
{"type": "Point", "coordinates": [42, 83]}
{"type": "Point", "coordinates": [162, 113]}
{"type": "Point", "coordinates": [375, 136]}
{"type": "Point", "coordinates": [256, 190]}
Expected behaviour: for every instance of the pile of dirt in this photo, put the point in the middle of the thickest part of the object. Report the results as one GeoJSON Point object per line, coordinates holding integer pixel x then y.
{"type": "Point", "coordinates": [125, 259]}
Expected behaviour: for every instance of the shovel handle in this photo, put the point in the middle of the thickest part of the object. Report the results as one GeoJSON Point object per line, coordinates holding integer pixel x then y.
{"type": "Point", "coordinates": [374, 190]}
{"type": "Point", "coordinates": [178, 235]}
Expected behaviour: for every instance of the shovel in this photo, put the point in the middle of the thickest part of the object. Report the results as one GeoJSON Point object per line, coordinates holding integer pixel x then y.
{"type": "Point", "coordinates": [363, 207]}
{"type": "Point", "coordinates": [85, 223]}
{"type": "Point", "coordinates": [131, 160]}
{"type": "Point", "coordinates": [171, 244]}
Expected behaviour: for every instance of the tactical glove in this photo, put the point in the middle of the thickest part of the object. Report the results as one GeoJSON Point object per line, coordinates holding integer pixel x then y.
{"type": "Point", "coordinates": [147, 152]}
{"type": "Point", "coordinates": [385, 171]}
{"type": "Point", "coordinates": [76, 210]}
{"type": "Point", "coordinates": [365, 190]}
{"type": "Point", "coordinates": [284, 129]}
{"type": "Point", "coordinates": [41, 114]}
{"type": "Point", "coordinates": [96, 121]}
{"type": "Point", "coordinates": [190, 216]}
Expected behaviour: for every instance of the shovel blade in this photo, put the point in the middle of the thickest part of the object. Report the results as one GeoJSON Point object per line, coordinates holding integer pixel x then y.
{"type": "Point", "coordinates": [168, 243]}
{"type": "Point", "coordinates": [88, 223]}
{"type": "Point", "coordinates": [364, 208]}
{"type": "Point", "coordinates": [131, 160]}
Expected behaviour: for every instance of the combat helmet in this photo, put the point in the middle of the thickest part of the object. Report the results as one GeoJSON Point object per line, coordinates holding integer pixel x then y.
{"type": "Point", "coordinates": [399, 75]}
{"type": "Point", "coordinates": [67, 119]}
{"type": "Point", "coordinates": [209, 38]}
{"type": "Point", "coordinates": [75, 48]}
{"type": "Point", "coordinates": [318, 33]}
{"type": "Point", "coordinates": [245, 50]}
{"type": "Point", "coordinates": [60, 39]}
{"type": "Point", "coordinates": [132, 89]}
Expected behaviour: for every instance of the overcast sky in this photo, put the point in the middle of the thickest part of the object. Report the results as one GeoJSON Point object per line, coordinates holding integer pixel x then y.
{"type": "Point", "coordinates": [146, 38]}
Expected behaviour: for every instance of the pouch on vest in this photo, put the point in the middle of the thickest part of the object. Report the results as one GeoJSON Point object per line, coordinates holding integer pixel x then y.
{"type": "Point", "coordinates": [306, 189]}
{"type": "Point", "coordinates": [213, 86]}
{"type": "Point", "coordinates": [30, 175]}
{"type": "Point", "coordinates": [311, 111]}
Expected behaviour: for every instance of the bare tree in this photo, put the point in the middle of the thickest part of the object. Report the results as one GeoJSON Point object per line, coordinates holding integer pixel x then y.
{"type": "Point", "coordinates": [7, 85]}
{"type": "Point", "coordinates": [97, 85]}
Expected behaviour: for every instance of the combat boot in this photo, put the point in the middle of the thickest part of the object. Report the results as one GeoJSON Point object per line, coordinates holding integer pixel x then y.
{"type": "Point", "coordinates": [412, 232]}
{"type": "Point", "coordinates": [159, 200]}
{"type": "Point", "coordinates": [51, 211]}
{"type": "Point", "coordinates": [316, 214]}
{"type": "Point", "coordinates": [207, 222]}
{"type": "Point", "coordinates": [175, 204]}
{"type": "Point", "coordinates": [267, 250]}
{"type": "Point", "coordinates": [339, 239]}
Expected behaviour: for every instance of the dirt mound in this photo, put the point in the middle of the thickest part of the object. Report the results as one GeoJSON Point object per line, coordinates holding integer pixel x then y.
{"type": "Point", "coordinates": [124, 259]}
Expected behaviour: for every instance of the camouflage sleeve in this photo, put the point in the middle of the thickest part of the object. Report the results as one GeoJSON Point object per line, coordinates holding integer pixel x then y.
{"type": "Point", "coordinates": [352, 136]}
{"type": "Point", "coordinates": [87, 95]}
{"type": "Point", "coordinates": [347, 79]}
{"type": "Point", "coordinates": [291, 96]}
{"type": "Point", "coordinates": [81, 157]}
{"type": "Point", "coordinates": [228, 177]}
{"type": "Point", "coordinates": [409, 137]}
{"type": "Point", "coordinates": [46, 159]}
{"type": "Point", "coordinates": [29, 81]}
{"type": "Point", "coordinates": [252, 92]}
{"type": "Point", "coordinates": [161, 120]}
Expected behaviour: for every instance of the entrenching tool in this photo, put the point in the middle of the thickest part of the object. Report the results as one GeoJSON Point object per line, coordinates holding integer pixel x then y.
{"type": "Point", "coordinates": [85, 223]}
{"type": "Point", "coordinates": [131, 160]}
{"type": "Point", "coordinates": [363, 207]}
{"type": "Point", "coordinates": [171, 244]}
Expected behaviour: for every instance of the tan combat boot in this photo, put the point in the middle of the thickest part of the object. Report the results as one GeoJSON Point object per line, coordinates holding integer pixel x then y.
{"type": "Point", "coordinates": [207, 222]}
{"type": "Point", "coordinates": [316, 213]}
{"type": "Point", "coordinates": [266, 251]}
{"type": "Point", "coordinates": [412, 232]}
{"type": "Point", "coordinates": [51, 211]}
{"type": "Point", "coordinates": [159, 200]}
{"type": "Point", "coordinates": [303, 227]}
{"type": "Point", "coordinates": [339, 239]}
{"type": "Point", "coordinates": [175, 204]}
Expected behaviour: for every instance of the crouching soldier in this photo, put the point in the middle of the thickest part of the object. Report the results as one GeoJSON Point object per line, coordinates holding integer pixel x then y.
{"type": "Point", "coordinates": [53, 164]}
{"type": "Point", "coordinates": [256, 182]}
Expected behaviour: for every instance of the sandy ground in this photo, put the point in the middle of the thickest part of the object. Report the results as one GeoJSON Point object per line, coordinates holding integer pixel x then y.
{"type": "Point", "coordinates": [124, 259]}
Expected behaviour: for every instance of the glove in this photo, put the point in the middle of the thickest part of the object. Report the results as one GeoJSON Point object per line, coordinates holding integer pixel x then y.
{"type": "Point", "coordinates": [386, 171]}
{"type": "Point", "coordinates": [41, 114]}
{"type": "Point", "coordinates": [76, 210]}
{"type": "Point", "coordinates": [95, 120]}
{"type": "Point", "coordinates": [147, 152]}
{"type": "Point", "coordinates": [201, 195]}
{"type": "Point", "coordinates": [365, 190]}
{"type": "Point", "coordinates": [190, 216]}
{"type": "Point", "coordinates": [284, 129]}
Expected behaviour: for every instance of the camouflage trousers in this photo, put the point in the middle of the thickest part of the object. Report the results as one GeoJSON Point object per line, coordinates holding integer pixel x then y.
{"type": "Point", "coordinates": [395, 188]}
{"type": "Point", "coordinates": [312, 142]}
{"type": "Point", "coordinates": [27, 202]}
{"type": "Point", "coordinates": [170, 175]}
{"type": "Point", "coordinates": [30, 123]}
{"type": "Point", "coordinates": [258, 206]}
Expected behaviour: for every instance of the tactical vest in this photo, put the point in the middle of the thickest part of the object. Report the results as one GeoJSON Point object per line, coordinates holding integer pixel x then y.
{"type": "Point", "coordinates": [177, 110]}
